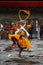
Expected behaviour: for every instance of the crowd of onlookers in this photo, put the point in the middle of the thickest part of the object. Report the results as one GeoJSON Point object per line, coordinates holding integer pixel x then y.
{"type": "Point", "coordinates": [9, 28]}
{"type": "Point", "coordinates": [5, 29]}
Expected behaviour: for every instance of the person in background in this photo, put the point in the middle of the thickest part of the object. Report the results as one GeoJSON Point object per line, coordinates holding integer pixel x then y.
{"type": "Point", "coordinates": [6, 29]}
{"type": "Point", "coordinates": [14, 28]}
{"type": "Point", "coordinates": [1, 29]}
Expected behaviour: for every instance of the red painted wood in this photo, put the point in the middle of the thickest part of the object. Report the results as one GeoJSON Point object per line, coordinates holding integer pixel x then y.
{"type": "Point", "coordinates": [22, 4]}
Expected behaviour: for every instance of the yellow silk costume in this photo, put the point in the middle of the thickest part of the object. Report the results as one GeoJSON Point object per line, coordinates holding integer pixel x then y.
{"type": "Point", "coordinates": [24, 42]}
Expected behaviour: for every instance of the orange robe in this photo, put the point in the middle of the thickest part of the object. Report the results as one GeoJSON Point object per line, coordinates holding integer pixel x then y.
{"type": "Point", "coordinates": [24, 42]}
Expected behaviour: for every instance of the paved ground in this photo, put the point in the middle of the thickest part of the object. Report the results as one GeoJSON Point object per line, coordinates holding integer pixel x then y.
{"type": "Point", "coordinates": [34, 57]}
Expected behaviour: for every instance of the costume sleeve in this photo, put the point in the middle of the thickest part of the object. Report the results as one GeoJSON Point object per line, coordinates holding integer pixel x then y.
{"type": "Point", "coordinates": [28, 27]}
